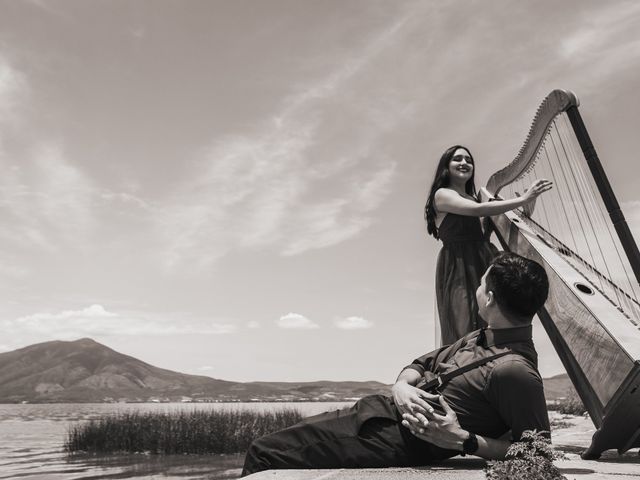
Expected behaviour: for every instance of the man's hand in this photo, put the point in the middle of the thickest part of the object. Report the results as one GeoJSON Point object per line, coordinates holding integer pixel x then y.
{"type": "Point", "coordinates": [411, 400]}
{"type": "Point", "coordinates": [441, 430]}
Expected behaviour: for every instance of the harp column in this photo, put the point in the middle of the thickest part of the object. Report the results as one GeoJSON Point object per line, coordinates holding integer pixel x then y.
{"type": "Point", "coordinates": [604, 187]}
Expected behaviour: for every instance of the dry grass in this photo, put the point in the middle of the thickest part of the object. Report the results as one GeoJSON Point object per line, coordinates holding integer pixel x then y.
{"type": "Point", "coordinates": [198, 432]}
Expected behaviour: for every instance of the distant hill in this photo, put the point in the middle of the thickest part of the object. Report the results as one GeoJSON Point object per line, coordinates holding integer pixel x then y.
{"type": "Point", "coordinates": [557, 387]}
{"type": "Point", "coordinates": [87, 371]}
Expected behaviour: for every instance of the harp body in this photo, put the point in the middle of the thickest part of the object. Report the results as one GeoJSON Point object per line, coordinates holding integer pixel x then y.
{"type": "Point", "coordinates": [593, 323]}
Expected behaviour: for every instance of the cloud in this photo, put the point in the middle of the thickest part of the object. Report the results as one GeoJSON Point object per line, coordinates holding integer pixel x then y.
{"type": "Point", "coordinates": [95, 320]}
{"type": "Point", "coordinates": [353, 323]}
{"type": "Point", "coordinates": [605, 29]}
{"type": "Point", "coordinates": [138, 32]}
{"type": "Point", "coordinates": [53, 204]}
{"type": "Point", "coordinates": [332, 222]}
{"type": "Point", "coordinates": [12, 88]}
{"type": "Point", "coordinates": [309, 176]}
{"type": "Point", "coordinates": [125, 199]}
{"type": "Point", "coordinates": [44, 197]}
{"type": "Point", "coordinates": [296, 321]}
{"type": "Point", "coordinates": [253, 324]}
{"type": "Point", "coordinates": [605, 40]}
{"type": "Point", "coordinates": [47, 200]}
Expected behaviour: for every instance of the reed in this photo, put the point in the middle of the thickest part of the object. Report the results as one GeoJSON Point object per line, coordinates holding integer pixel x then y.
{"type": "Point", "coordinates": [197, 432]}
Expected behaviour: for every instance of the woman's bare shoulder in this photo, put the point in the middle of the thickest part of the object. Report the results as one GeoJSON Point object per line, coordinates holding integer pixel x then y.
{"type": "Point", "coordinates": [444, 192]}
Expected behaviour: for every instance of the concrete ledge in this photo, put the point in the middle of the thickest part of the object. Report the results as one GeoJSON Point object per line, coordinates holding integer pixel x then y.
{"type": "Point", "coordinates": [469, 468]}
{"type": "Point", "coordinates": [610, 467]}
{"type": "Point", "coordinates": [572, 438]}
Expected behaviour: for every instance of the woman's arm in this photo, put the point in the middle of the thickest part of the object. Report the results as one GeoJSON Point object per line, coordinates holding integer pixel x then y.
{"type": "Point", "coordinates": [449, 201]}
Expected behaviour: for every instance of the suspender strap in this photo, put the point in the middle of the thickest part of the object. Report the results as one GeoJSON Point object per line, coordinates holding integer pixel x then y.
{"type": "Point", "coordinates": [442, 379]}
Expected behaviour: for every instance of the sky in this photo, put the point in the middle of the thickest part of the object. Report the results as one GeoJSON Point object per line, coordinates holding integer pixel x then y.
{"type": "Point", "coordinates": [236, 188]}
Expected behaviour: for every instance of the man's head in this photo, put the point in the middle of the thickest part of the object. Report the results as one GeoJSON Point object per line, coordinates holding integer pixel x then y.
{"type": "Point", "coordinates": [516, 286]}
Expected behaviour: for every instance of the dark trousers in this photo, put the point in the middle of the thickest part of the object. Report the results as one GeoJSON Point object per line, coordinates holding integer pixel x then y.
{"type": "Point", "coordinates": [366, 435]}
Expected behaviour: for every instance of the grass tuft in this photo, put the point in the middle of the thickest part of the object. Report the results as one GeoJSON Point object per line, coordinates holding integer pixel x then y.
{"type": "Point", "coordinates": [197, 432]}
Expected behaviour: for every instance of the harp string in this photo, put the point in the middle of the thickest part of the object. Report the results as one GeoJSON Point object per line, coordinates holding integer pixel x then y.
{"type": "Point", "coordinates": [574, 199]}
{"type": "Point", "coordinates": [616, 259]}
{"type": "Point", "coordinates": [572, 218]}
{"type": "Point", "coordinates": [560, 198]}
{"type": "Point", "coordinates": [573, 168]}
{"type": "Point", "coordinates": [540, 201]}
{"type": "Point", "coordinates": [618, 269]}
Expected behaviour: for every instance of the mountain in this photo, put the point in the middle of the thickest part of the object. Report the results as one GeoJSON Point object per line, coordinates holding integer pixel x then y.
{"type": "Point", "coordinates": [87, 371]}
{"type": "Point", "coordinates": [557, 387]}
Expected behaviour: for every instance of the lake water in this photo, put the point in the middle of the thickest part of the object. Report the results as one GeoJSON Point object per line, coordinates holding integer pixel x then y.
{"type": "Point", "coordinates": [32, 438]}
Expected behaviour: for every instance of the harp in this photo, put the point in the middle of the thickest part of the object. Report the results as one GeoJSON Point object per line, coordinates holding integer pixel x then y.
{"type": "Point", "coordinates": [579, 234]}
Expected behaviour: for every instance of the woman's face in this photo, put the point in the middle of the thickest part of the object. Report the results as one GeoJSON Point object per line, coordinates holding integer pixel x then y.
{"type": "Point", "coordinates": [461, 165]}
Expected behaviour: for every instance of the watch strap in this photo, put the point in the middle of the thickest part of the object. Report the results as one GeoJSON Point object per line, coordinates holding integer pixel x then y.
{"type": "Point", "coordinates": [470, 445]}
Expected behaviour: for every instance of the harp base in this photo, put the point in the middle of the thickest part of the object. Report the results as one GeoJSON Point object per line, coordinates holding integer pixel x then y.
{"type": "Point", "coordinates": [620, 423]}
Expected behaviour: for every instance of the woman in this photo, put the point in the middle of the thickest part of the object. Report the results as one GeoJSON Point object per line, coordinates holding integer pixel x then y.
{"type": "Point", "coordinates": [452, 213]}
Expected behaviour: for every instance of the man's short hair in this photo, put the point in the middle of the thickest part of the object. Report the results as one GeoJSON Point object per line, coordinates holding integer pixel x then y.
{"type": "Point", "coordinates": [519, 285]}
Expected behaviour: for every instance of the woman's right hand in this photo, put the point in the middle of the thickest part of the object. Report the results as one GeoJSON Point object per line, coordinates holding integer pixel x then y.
{"type": "Point", "coordinates": [538, 187]}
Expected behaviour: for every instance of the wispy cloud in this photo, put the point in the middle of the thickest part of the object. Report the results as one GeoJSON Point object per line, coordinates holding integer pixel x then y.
{"type": "Point", "coordinates": [296, 321]}
{"type": "Point", "coordinates": [605, 41]}
{"type": "Point", "coordinates": [353, 323]}
{"type": "Point", "coordinates": [329, 223]}
{"type": "Point", "coordinates": [308, 177]}
{"type": "Point", "coordinates": [607, 30]}
{"type": "Point", "coordinates": [48, 200]}
{"type": "Point", "coordinates": [12, 89]}
{"type": "Point", "coordinates": [95, 320]}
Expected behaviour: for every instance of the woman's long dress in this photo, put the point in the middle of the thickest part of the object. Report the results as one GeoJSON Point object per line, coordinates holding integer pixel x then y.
{"type": "Point", "coordinates": [464, 257]}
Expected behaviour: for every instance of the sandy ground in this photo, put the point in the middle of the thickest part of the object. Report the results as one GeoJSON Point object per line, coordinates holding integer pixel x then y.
{"type": "Point", "coordinates": [574, 438]}
{"type": "Point", "coordinates": [571, 436]}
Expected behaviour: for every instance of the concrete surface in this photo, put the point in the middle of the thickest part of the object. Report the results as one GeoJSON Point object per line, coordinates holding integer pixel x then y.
{"type": "Point", "coordinates": [571, 437]}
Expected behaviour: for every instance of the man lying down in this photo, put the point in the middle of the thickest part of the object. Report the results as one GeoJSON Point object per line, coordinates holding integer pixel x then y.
{"type": "Point", "coordinates": [460, 399]}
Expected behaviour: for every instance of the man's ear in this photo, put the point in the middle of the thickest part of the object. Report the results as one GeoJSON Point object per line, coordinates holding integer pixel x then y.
{"type": "Point", "coordinates": [490, 298]}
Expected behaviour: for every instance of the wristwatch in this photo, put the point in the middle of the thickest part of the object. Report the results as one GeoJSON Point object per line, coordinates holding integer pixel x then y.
{"type": "Point", "coordinates": [470, 445]}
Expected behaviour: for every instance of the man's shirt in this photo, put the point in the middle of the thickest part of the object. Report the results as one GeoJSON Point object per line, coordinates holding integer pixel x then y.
{"type": "Point", "coordinates": [501, 395]}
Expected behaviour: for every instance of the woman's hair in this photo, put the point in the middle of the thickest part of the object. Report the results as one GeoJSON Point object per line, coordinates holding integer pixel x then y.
{"type": "Point", "coordinates": [441, 179]}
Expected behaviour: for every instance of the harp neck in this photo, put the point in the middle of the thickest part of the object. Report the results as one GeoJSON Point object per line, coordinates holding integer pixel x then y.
{"type": "Point", "coordinates": [555, 103]}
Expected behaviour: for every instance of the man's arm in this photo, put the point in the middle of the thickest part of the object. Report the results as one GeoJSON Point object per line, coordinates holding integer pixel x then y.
{"type": "Point", "coordinates": [406, 396]}
{"type": "Point", "coordinates": [445, 431]}
{"type": "Point", "coordinates": [516, 391]}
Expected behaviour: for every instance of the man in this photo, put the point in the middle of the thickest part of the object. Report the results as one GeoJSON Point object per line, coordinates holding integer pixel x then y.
{"type": "Point", "coordinates": [489, 386]}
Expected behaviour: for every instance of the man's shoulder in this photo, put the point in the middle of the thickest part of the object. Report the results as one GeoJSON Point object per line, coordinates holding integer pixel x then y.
{"type": "Point", "coordinates": [514, 367]}
{"type": "Point", "coordinates": [470, 337]}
